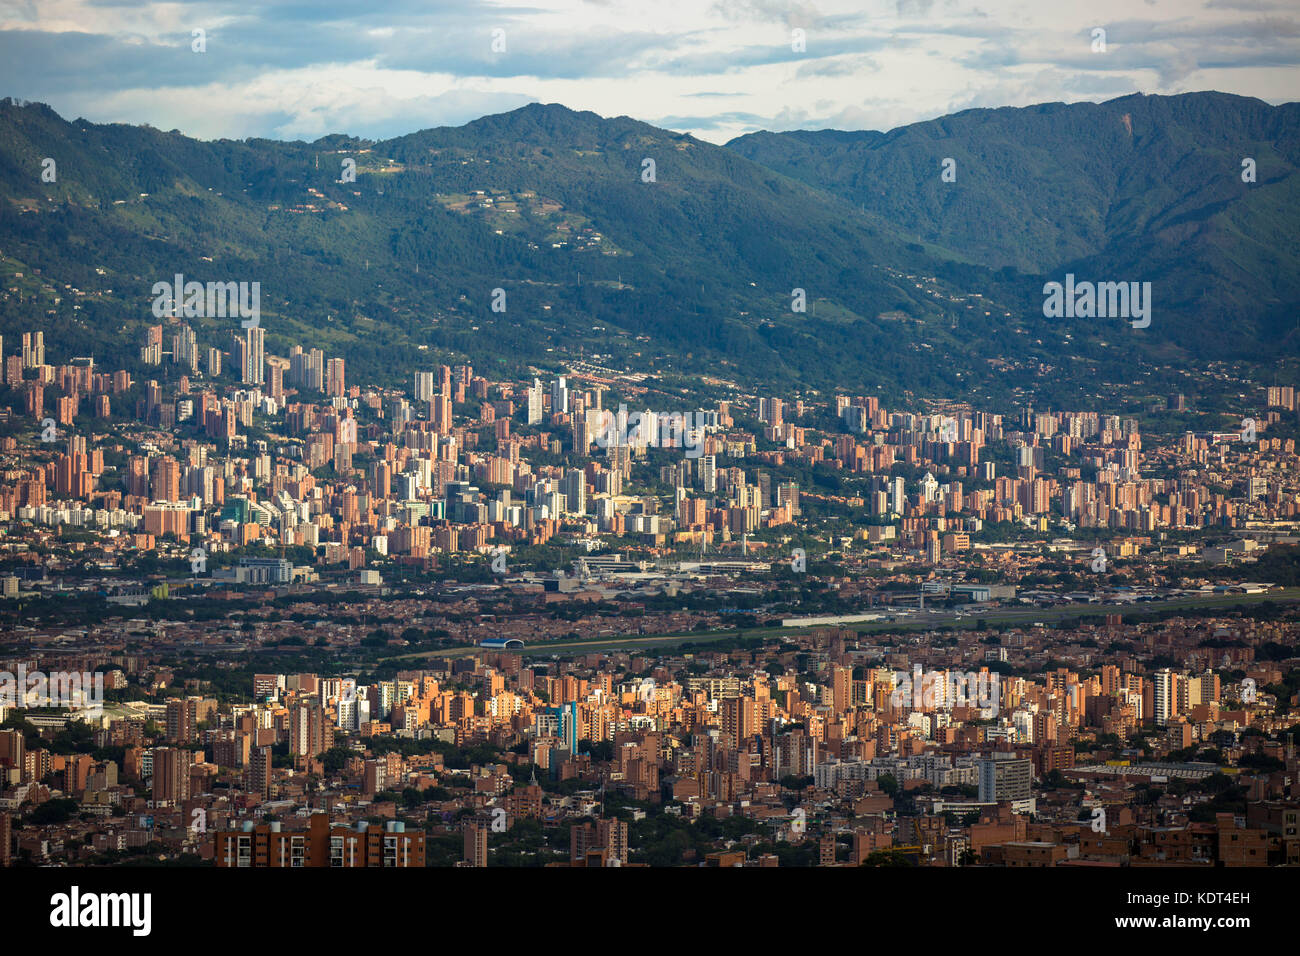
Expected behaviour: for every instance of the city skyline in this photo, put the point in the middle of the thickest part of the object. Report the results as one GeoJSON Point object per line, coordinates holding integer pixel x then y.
{"type": "Point", "coordinates": [813, 435]}
{"type": "Point", "coordinates": [922, 636]}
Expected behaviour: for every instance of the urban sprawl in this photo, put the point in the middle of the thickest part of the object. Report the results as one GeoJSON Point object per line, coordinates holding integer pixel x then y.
{"type": "Point", "coordinates": [258, 616]}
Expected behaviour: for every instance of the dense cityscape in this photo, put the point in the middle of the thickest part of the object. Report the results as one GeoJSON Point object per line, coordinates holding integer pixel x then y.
{"type": "Point", "coordinates": [262, 616]}
{"type": "Point", "coordinates": [483, 444]}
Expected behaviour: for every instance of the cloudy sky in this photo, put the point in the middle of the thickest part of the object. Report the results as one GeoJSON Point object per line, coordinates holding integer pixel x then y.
{"type": "Point", "coordinates": [715, 68]}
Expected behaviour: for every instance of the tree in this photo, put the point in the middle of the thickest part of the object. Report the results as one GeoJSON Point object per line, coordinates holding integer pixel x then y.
{"type": "Point", "coordinates": [602, 750]}
{"type": "Point", "coordinates": [335, 759]}
{"type": "Point", "coordinates": [53, 811]}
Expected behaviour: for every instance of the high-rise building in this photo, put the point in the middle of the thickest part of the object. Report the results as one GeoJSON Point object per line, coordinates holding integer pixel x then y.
{"type": "Point", "coordinates": [13, 745]}
{"type": "Point", "coordinates": [315, 371]}
{"type": "Point", "coordinates": [181, 719]}
{"type": "Point", "coordinates": [708, 474]}
{"type": "Point", "coordinates": [185, 349]}
{"type": "Point", "coordinates": [307, 727]}
{"type": "Point", "coordinates": [166, 479]}
{"type": "Point", "coordinates": [255, 361]}
{"type": "Point", "coordinates": [826, 849]}
{"type": "Point", "coordinates": [259, 773]}
{"type": "Point", "coordinates": [841, 689]}
{"type": "Point", "coordinates": [771, 411]}
{"type": "Point", "coordinates": [353, 706]}
{"type": "Point", "coordinates": [151, 350]}
{"type": "Point", "coordinates": [739, 718]}
{"type": "Point", "coordinates": [334, 378]}
{"type": "Point", "coordinates": [897, 496]}
{"type": "Point", "coordinates": [34, 399]}
{"type": "Point", "coordinates": [239, 357]}
{"type": "Point", "coordinates": [570, 726]}
{"type": "Point", "coordinates": [535, 402]}
{"type": "Point", "coordinates": [441, 413]}
{"type": "Point", "coordinates": [1005, 780]}
{"type": "Point", "coordinates": [787, 496]}
{"type": "Point", "coordinates": [582, 432]}
{"type": "Point", "coordinates": [171, 775]}
{"type": "Point", "coordinates": [1281, 396]}
{"type": "Point", "coordinates": [33, 349]}
{"type": "Point", "coordinates": [476, 843]}
{"type": "Point", "coordinates": [424, 386]}
{"type": "Point", "coordinates": [574, 488]}
{"type": "Point", "coordinates": [1166, 694]}
{"type": "Point", "coordinates": [603, 844]}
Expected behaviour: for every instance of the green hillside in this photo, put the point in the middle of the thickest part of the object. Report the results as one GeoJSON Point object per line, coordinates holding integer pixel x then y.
{"type": "Point", "coordinates": [1139, 188]}
{"type": "Point", "coordinates": [931, 288]}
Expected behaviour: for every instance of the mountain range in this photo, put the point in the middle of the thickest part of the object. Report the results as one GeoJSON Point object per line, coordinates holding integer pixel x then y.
{"type": "Point", "coordinates": [921, 253]}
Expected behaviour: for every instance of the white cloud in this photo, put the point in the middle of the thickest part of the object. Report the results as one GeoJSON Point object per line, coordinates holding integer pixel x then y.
{"type": "Point", "coordinates": [282, 69]}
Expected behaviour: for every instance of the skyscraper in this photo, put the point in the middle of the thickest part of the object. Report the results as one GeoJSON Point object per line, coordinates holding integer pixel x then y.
{"type": "Point", "coordinates": [166, 479]}
{"type": "Point", "coordinates": [569, 726]}
{"type": "Point", "coordinates": [334, 384]}
{"type": "Point", "coordinates": [185, 350]}
{"type": "Point", "coordinates": [307, 727]}
{"type": "Point", "coordinates": [254, 364]}
{"type": "Point", "coordinates": [151, 351]}
{"type": "Point", "coordinates": [575, 491]}
{"type": "Point", "coordinates": [259, 773]}
{"type": "Point", "coordinates": [476, 843]}
{"type": "Point", "coordinates": [181, 716]}
{"type": "Point", "coordinates": [739, 718]}
{"type": "Point", "coordinates": [424, 385]}
{"type": "Point", "coordinates": [440, 412]}
{"type": "Point", "coordinates": [33, 349]}
{"type": "Point", "coordinates": [1166, 694]}
{"type": "Point", "coordinates": [315, 371]}
{"type": "Point", "coordinates": [171, 775]}
{"type": "Point", "coordinates": [708, 474]}
{"type": "Point", "coordinates": [897, 496]}
{"type": "Point", "coordinates": [560, 397]}
{"type": "Point", "coordinates": [535, 402]}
